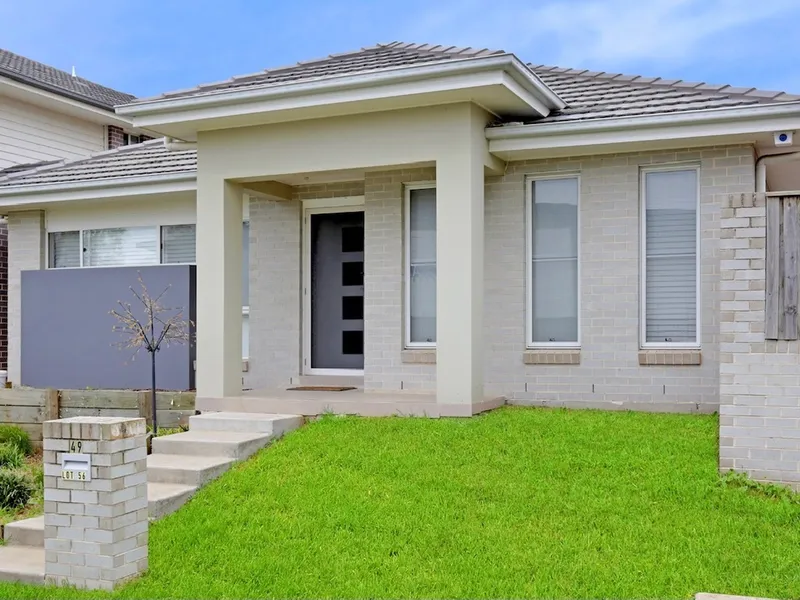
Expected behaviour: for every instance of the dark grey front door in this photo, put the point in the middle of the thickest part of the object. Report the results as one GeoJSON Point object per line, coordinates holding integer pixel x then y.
{"type": "Point", "coordinates": [337, 290]}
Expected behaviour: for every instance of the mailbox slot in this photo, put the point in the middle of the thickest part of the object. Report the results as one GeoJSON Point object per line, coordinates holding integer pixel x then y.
{"type": "Point", "coordinates": [76, 467]}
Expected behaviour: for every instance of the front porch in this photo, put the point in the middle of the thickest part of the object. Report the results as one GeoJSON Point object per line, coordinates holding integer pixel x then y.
{"type": "Point", "coordinates": [294, 180]}
{"type": "Point", "coordinates": [356, 401]}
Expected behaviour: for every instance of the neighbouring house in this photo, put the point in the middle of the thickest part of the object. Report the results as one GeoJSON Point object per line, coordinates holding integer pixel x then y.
{"type": "Point", "coordinates": [48, 115]}
{"type": "Point", "coordinates": [446, 229]}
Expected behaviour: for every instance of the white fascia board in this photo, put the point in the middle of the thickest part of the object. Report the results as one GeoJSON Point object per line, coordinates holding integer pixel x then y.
{"type": "Point", "coordinates": [20, 196]}
{"type": "Point", "coordinates": [62, 104]}
{"type": "Point", "coordinates": [349, 88]}
{"type": "Point", "coordinates": [690, 125]}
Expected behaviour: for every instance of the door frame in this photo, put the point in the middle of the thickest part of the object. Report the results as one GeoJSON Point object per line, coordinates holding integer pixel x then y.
{"type": "Point", "coordinates": [320, 206]}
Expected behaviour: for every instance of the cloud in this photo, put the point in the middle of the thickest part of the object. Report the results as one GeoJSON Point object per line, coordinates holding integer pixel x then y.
{"type": "Point", "coordinates": [599, 32]}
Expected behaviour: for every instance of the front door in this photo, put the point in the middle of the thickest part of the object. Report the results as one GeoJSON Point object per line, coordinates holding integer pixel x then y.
{"type": "Point", "coordinates": [337, 290]}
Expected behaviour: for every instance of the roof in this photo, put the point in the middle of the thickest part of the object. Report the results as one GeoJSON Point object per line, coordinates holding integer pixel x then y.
{"type": "Point", "coordinates": [45, 77]}
{"type": "Point", "coordinates": [598, 95]}
{"type": "Point", "coordinates": [148, 159]}
{"type": "Point", "coordinates": [589, 95]}
{"type": "Point", "coordinates": [374, 58]}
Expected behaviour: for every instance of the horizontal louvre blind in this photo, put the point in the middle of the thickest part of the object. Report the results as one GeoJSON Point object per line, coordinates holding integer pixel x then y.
{"type": "Point", "coordinates": [131, 246]}
{"type": "Point", "coordinates": [65, 249]}
{"type": "Point", "coordinates": [178, 244]}
{"type": "Point", "coordinates": [554, 272]}
{"type": "Point", "coordinates": [246, 264]}
{"type": "Point", "coordinates": [671, 257]}
{"type": "Point", "coordinates": [422, 265]}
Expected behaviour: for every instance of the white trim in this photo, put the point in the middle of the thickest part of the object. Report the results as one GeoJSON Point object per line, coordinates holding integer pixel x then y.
{"type": "Point", "coordinates": [357, 86]}
{"type": "Point", "coordinates": [316, 207]}
{"type": "Point", "coordinates": [716, 123]}
{"type": "Point", "coordinates": [407, 189]}
{"type": "Point", "coordinates": [529, 181]}
{"type": "Point", "coordinates": [643, 343]}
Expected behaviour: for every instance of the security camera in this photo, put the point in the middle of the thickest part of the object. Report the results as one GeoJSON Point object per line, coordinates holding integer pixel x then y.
{"type": "Point", "coordinates": [783, 138]}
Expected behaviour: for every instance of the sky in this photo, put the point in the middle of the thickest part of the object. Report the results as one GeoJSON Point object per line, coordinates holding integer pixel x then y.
{"type": "Point", "coordinates": [152, 46]}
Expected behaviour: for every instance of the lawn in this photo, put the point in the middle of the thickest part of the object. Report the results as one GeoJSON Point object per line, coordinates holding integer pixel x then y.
{"type": "Point", "coordinates": [514, 503]}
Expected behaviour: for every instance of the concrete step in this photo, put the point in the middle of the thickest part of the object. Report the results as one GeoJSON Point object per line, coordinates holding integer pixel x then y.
{"type": "Point", "coordinates": [264, 423]}
{"type": "Point", "coordinates": [231, 444]}
{"type": "Point", "coordinates": [24, 564]}
{"type": "Point", "coordinates": [165, 498]}
{"type": "Point", "coordinates": [28, 532]}
{"type": "Point", "coordinates": [186, 470]}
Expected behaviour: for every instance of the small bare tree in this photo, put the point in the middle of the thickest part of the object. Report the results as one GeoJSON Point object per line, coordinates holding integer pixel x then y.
{"type": "Point", "coordinates": [160, 325]}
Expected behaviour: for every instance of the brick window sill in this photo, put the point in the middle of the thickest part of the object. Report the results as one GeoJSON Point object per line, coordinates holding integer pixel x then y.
{"type": "Point", "coordinates": [660, 358]}
{"type": "Point", "coordinates": [552, 356]}
{"type": "Point", "coordinates": [418, 357]}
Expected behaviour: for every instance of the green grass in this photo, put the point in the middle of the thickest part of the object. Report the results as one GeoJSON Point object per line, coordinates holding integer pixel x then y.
{"type": "Point", "coordinates": [32, 467]}
{"type": "Point", "coordinates": [515, 503]}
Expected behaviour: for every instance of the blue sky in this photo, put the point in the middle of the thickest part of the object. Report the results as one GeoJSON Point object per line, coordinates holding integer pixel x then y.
{"type": "Point", "coordinates": [152, 46]}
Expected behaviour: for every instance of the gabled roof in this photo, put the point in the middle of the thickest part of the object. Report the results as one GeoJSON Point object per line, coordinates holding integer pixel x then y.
{"type": "Point", "coordinates": [598, 95]}
{"type": "Point", "coordinates": [145, 160]}
{"type": "Point", "coordinates": [45, 77]}
{"type": "Point", "coordinates": [374, 58]}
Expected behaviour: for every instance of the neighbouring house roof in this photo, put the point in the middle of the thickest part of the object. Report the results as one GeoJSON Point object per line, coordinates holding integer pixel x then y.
{"type": "Point", "coordinates": [45, 77]}
{"type": "Point", "coordinates": [588, 94]}
{"type": "Point", "coordinates": [145, 160]}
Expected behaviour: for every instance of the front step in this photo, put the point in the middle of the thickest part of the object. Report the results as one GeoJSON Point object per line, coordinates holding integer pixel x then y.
{"type": "Point", "coordinates": [186, 470]}
{"type": "Point", "coordinates": [28, 532]}
{"type": "Point", "coordinates": [263, 423]}
{"type": "Point", "coordinates": [165, 498]}
{"type": "Point", "coordinates": [23, 564]}
{"type": "Point", "coordinates": [230, 444]}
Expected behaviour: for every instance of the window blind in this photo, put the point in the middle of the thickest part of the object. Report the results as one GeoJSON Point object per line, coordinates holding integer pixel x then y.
{"type": "Point", "coordinates": [65, 249]}
{"type": "Point", "coordinates": [178, 244]}
{"type": "Point", "coordinates": [422, 266]}
{"type": "Point", "coordinates": [123, 246]}
{"type": "Point", "coordinates": [554, 268]}
{"type": "Point", "coordinates": [246, 264]}
{"type": "Point", "coordinates": [671, 257]}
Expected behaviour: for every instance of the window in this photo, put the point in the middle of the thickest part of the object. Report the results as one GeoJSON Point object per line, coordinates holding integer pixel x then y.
{"type": "Point", "coordinates": [65, 249]}
{"type": "Point", "coordinates": [670, 247]}
{"type": "Point", "coordinates": [178, 244]}
{"type": "Point", "coordinates": [130, 138]}
{"type": "Point", "coordinates": [121, 246]}
{"type": "Point", "coordinates": [420, 266]}
{"type": "Point", "coordinates": [553, 268]}
{"type": "Point", "coordinates": [139, 246]}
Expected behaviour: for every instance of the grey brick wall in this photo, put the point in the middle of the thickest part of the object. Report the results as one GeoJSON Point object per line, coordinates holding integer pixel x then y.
{"type": "Point", "coordinates": [384, 366]}
{"type": "Point", "coordinates": [759, 378]}
{"type": "Point", "coordinates": [276, 283]}
{"type": "Point", "coordinates": [609, 374]}
{"type": "Point", "coordinates": [26, 251]}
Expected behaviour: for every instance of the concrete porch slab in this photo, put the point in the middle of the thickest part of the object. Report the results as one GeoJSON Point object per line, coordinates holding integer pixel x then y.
{"type": "Point", "coordinates": [350, 402]}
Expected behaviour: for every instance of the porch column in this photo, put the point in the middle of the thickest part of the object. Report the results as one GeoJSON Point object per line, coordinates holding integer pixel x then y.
{"type": "Point", "coordinates": [459, 272]}
{"type": "Point", "coordinates": [219, 287]}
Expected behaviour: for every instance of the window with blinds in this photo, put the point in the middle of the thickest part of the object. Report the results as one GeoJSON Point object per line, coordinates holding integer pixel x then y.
{"type": "Point", "coordinates": [670, 257]}
{"type": "Point", "coordinates": [178, 244]}
{"type": "Point", "coordinates": [553, 275]}
{"type": "Point", "coordinates": [120, 246]}
{"type": "Point", "coordinates": [65, 249]}
{"type": "Point", "coordinates": [421, 267]}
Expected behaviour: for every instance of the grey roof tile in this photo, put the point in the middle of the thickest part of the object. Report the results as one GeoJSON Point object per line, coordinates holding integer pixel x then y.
{"type": "Point", "coordinates": [36, 74]}
{"type": "Point", "coordinates": [140, 160]}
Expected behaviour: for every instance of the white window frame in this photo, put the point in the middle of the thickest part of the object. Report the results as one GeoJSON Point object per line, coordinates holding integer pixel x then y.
{"type": "Point", "coordinates": [643, 343]}
{"type": "Point", "coordinates": [529, 181]}
{"type": "Point", "coordinates": [407, 189]}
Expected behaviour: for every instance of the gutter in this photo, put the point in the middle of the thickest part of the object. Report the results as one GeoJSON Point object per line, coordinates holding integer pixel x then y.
{"type": "Point", "coordinates": [697, 117]}
{"type": "Point", "coordinates": [173, 146]}
{"type": "Point", "coordinates": [507, 62]}
{"type": "Point", "coordinates": [24, 190]}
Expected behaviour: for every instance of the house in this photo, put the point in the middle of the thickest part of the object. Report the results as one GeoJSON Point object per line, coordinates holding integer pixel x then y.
{"type": "Point", "coordinates": [48, 115]}
{"type": "Point", "coordinates": [447, 229]}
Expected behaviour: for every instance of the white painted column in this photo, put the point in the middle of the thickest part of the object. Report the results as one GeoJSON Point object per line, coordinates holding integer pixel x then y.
{"type": "Point", "coordinates": [459, 271]}
{"type": "Point", "coordinates": [219, 287]}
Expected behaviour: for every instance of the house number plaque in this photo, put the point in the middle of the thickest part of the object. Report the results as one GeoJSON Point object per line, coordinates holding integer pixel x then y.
{"type": "Point", "coordinates": [75, 465]}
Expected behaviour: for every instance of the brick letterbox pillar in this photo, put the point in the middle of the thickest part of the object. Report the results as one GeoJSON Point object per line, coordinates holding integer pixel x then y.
{"type": "Point", "coordinates": [95, 501]}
